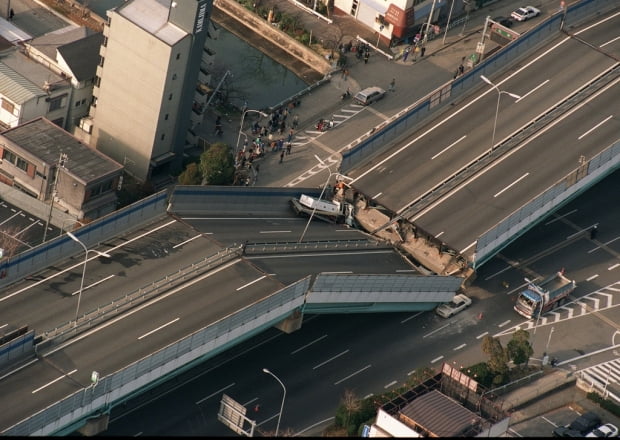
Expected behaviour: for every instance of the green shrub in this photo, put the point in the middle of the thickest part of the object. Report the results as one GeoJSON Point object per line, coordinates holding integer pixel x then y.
{"type": "Point", "coordinates": [606, 404]}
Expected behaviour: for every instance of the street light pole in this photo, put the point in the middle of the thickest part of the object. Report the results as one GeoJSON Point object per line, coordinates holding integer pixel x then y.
{"type": "Point", "coordinates": [241, 125]}
{"type": "Point", "coordinates": [283, 397]}
{"type": "Point", "coordinates": [499, 95]}
{"type": "Point", "coordinates": [86, 250]}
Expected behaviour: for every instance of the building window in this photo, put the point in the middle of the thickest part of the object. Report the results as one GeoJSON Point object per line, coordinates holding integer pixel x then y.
{"type": "Point", "coordinates": [105, 42]}
{"type": "Point", "coordinates": [170, 97]}
{"type": "Point", "coordinates": [41, 175]}
{"type": "Point", "coordinates": [178, 56]}
{"type": "Point", "coordinates": [60, 122]}
{"type": "Point", "coordinates": [83, 101]}
{"type": "Point", "coordinates": [77, 104]}
{"type": "Point", "coordinates": [163, 136]}
{"type": "Point", "coordinates": [9, 156]}
{"type": "Point", "coordinates": [166, 117]}
{"type": "Point", "coordinates": [101, 60]}
{"type": "Point", "coordinates": [174, 76]}
{"type": "Point", "coordinates": [22, 164]}
{"type": "Point", "coordinates": [58, 102]}
{"type": "Point", "coordinates": [8, 105]}
{"type": "Point", "coordinates": [99, 189]}
{"type": "Point", "coordinates": [97, 81]}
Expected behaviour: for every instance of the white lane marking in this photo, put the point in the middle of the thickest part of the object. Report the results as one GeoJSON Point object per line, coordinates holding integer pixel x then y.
{"type": "Point", "coordinates": [346, 230]}
{"type": "Point", "coordinates": [482, 335]}
{"type": "Point", "coordinates": [251, 282]}
{"type": "Point", "coordinates": [581, 231]}
{"type": "Point", "coordinates": [272, 232]}
{"type": "Point", "coordinates": [504, 323]}
{"type": "Point", "coordinates": [330, 359]}
{"type": "Point", "coordinates": [435, 331]}
{"type": "Point", "coordinates": [93, 284]}
{"type": "Point", "coordinates": [267, 419]}
{"type": "Point", "coordinates": [250, 401]}
{"type": "Point", "coordinates": [514, 432]}
{"type": "Point", "coordinates": [138, 434]}
{"type": "Point", "coordinates": [186, 241]}
{"type": "Point", "coordinates": [512, 184]}
{"type": "Point", "coordinates": [54, 381]}
{"type": "Point", "coordinates": [595, 127]}
{"type": "Point", "coordinates": [158, 328]}
{"type": "Point", "coordinates": [549, 421]}
{"type": "Point", "coordinates": [459, 347]}
{"type": "Point", "coordinates": [215, 393]}
{"type": "Point", "coordinates": [450, 146]}
{"type": "Point", "coordinates": [390, 384]}
{"type": "Point", "coordinates": [592, 277]}
{"type": "Point", "coordinates": [329, 419]}
{"type": "Point", "coordinates": [309, 344]}
{"type": "Point", "coordinates": [605, 244]}
{"type": "Point", "coordinates": [610, 42]}
{"type": "Point", "coordinates": [368, 396]}
{"type": "Point", "coordinates": [353, 374]}
{"type": "Point", "coordinates": [3, 325]}
{"type": "Point", "coordinates": [405, 270]}
{"type": "Point", "coordinates": [377, 195]}
{"type": "Point", "coordinates": [82, 262]}
{"type": "Point", "coordinates": [440, 234]}
{"type": "Point", "coordinates": [11, 217]}
{"type": "Point", "coordinates": [411, 317]}
{"type": "Point", "coordinates": [560, 217]}
{"type": "Point", "coordinates": [613, 267]}
{"type": "Point", "coordinates": [532, 91]}
{"type": "Point", "coordinates": [341, 271]}
{"type": "Point", "coordinates": [437, 359]}
{"type": "Point", "coordinates": [466, 248]}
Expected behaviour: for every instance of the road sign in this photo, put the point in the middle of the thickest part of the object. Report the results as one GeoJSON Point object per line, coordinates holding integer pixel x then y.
{"type": "Point", "coordinates": [232, 414]}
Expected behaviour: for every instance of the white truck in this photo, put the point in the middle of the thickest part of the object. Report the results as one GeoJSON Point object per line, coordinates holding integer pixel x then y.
{"type": "Point", "coordinates": [537, 299]}
{"type": "Point", "coordinates": [329, 211]}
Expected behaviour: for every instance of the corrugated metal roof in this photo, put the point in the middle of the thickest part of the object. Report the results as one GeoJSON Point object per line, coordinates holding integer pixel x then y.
{"type": "Point", "coordinates": [440, 415]}
{"type": "Point", "coordinates": [17, 88]}
{"type": "Point", "coordinates": [45, 140]}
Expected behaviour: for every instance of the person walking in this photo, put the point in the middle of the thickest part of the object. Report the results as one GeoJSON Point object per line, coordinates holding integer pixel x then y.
{"type": "Point", "coordinates": [392, 85]}
{"type": "Point", "coordinates": [281, 156]}
{"type": "Point", "coordinates": [288, 148]}
{"type": "Point", "coordinates": [366, 56]}
{"type": "Point", "coordinates": [295, 121]}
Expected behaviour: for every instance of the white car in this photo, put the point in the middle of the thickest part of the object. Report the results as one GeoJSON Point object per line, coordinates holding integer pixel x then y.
{"type": "Point", "coordinates": [525, 13]}
{"type": "Point", "coordinates": [458, 303]}
{"type": "Point", "coordinates": [606, 430]}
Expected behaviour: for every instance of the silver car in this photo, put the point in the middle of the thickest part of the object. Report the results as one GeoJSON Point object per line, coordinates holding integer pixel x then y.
{"type": "Point", "coordinates": [458, 303]}
{"type": "Point", "coordinates": [369, 95]}
{"type": "Point", "coordinates": [525, 13]}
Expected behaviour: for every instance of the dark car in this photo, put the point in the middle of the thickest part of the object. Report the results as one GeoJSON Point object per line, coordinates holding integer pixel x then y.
{"type": "Point", "coordinates": [504, 21]}
{"type": "Point", "coordinates": [579, 427]}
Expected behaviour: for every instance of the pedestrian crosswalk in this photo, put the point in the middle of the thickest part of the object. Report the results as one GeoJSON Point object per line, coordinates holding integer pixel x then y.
{"type": "Point", "coordinates": [604, 298]}
{"type": "Point", "coordinates": [603, 378]}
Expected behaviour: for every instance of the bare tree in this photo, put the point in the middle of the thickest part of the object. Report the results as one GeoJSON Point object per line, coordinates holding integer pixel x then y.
{"type": "Point", "coordinates": [10, 241]}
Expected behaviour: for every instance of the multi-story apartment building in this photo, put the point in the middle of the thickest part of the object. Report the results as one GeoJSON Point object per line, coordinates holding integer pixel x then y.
{"type": "Point", "coordinates": [146, 83]}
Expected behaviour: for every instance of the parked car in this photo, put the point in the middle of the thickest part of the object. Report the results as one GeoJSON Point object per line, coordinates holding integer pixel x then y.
{"type": "Point", "coordinates": [369, 95]}
{"type": "Point", "coordinates": [458, 303]}
{"type": "Point", "coordinates": [579, 427]}
{"type": "Point", "coordinates": [606, 430]}
{"type": "Point", "coordinates": [525, 13]}
{"type": "Point", "coordinates": [504, 21]}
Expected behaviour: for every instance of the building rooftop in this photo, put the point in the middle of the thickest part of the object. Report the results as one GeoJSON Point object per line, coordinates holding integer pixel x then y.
{"type": "Point", "coordinates": [35, 76]}
{"type": "Point", "coordinates": [82, 56]}
{"type": "Point", "coordinates": [441, 415]}
{"type": "Point", "coordinates": [48, 43]}
{"type": "Point", "coordinates": [17, 88]}
{"type": "Point", "coordinates": [45, 140]}
{"type": "Point", "coordinates": [152, 16]}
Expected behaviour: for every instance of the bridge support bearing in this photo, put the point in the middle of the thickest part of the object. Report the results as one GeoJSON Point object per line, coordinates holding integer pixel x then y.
{"type": "Point", "coordinates": [292, 323]}
{"type": "Point", "coordinates": [95, 425]}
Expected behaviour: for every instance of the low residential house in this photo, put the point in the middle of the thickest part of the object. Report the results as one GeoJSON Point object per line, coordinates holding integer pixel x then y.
{"type": "Point", "coordinates": [29, 90]}
{"type": "Point", "coordinates": [72, 53]}
{"type": "Point", "coordinates": [43, 160]}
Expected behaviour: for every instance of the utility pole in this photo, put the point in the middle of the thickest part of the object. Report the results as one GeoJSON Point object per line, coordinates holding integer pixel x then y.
{"type": "Point", "coordinates": [62, 159]}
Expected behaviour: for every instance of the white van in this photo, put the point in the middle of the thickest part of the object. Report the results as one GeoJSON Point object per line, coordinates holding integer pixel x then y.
{"type": "Point", "coordinates": [369, 95]}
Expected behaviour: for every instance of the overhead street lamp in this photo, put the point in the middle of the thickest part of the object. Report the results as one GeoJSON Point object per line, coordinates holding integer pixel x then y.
{"type": "Point", "coordinates": [263, 114]}
{"type": "Point", "coordinates": [320, 196]}
{"type": "Point", "coordinates": [499, 95]}
{"type": "Point", "coordinates": [283, 397]}
{"type": "Point", "coordinates": [86, 251]}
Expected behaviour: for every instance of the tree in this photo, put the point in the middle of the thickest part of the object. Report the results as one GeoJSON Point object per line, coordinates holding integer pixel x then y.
{"type": "Point", "coordinates": [349, 404]}
{"type": "Point", "coordinates": [519, 348]}
{"type": "Point", "coordinates": [10, 241]}
{"type": "Point", "coordinates": [217, 165]}
{"type": "Point", "coordinates": [498, 358]}
{"type": "Point", "coordinates": [191, 175]}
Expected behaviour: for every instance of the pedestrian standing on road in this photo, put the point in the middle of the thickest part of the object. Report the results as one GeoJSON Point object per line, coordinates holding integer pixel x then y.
{"type": "Point", "coordinates": [366, 56]}
{"type": "Point", "coordinates": [218, 126]}
{"type": "Point", "coordinates": [290, 136]}
{"type": "Point", "coordinates": [392, 85]}
{"type": "Point", "coordinates": [11, 14]}
{"type": "Point", "coordinates": [422, 50]}
{"type": "Point", "coordinates": [281, 156]}
{"type": "Point", "coordinates": [295, 121]}
{"type": "Point", "coordinates": [288, 148]}
{"type": "Point", "coordinates": [406, 53]}
{"type": "Point", "coordinates": [282, 127]}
